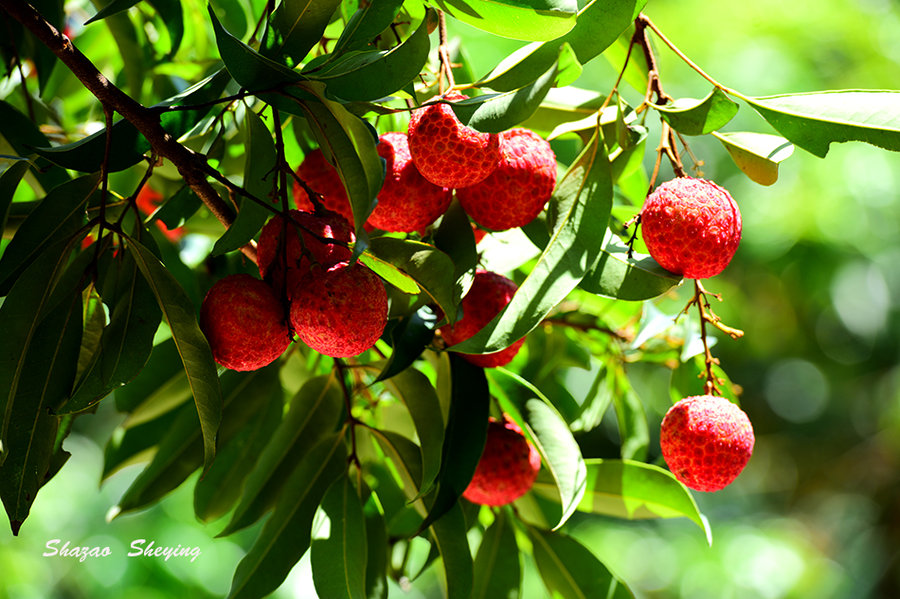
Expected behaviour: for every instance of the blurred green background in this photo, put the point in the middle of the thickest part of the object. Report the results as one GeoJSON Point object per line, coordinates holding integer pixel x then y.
{"type": "Point", "coordinates": [815, 285]}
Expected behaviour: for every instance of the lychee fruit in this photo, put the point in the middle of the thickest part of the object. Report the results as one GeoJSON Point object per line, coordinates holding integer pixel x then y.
{"type": "Point", "coordinates": [407, 200]}
{"type": "Point", "coordinates": [706, 441]}
{"type": "Point", "coordinates": [516, 192]}
{"type": "Point", "coordinates": [448, 153]}
{"type": "Point", "coordinates": [322, 178]}
{"type": "Point", "coordinates": [341, 311]}
{"type": "Point", "coordinates": [508, 466]}
{"type": "Point", "coordinates": [488, 295]}
{"type": "Point", "coordinates": [287, 249]}
{"type": "Point", "coordinates": [692, 227]}
{"type": "Point", "coordinates": [244, 322]}
{"type": "Point", "coordinates": [148, 201]}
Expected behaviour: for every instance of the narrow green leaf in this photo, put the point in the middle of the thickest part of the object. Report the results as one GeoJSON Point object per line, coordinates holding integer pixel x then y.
{"type": "Point", "coordinates": [406, 458]}
{"type": "Point", "coordinates": [757, 154]}
{"type": "Point", "coordinates": [9, 181]}
{"type": "Point", "coordinates": [814, 120]}
{"type": "Point", "coordinates": [259, 181]}
{"type": "Point", "coordinates": [420, 398]}
{"type": "Point", "coordinates": [454, 237]}
{"type": "Point", "coordinates": [390, 273]}
{"type": "Point", "coordinates": [699, 117]}
{"type": "Point", "coordinates": [171, 13]}
{"type": "Point", "coordinates": [597, 26]}
{"type": "Point", "coordinates": [369, 20]}
{"type": "Point", "coordinates": [409, 338]}
{"type": "Point", "coordinates": [370, 75]}
{"type": "Point", "coordinates": [428, 267]}
{"type": "Point", "coordinates": [464, 438]}
{"type": "Point", "coordinates": [116, 6]}
{"type": "Point", "coordinates": [313, 412]}
{"type": "Point", "coordinates": [287, 533]}
{"type": "Point", "coordinates": [376, 550]}
{"type": "Point", "coordinates": [494, 113]}
{"type": "Point", "coordinates": [579, 210]}
{"type": "Point", "coordinates": [161, 386]}
{"type": "Point", "coordinates": [529, 20]}
{"type": "Point", "coordinates": [617, 275]}
{"type": "Point", "coordinates": [135, 445]}
{"type": "Point", "coordinates": [295, 28]}
{"type": "Point", "coordinates": [24, 136]}
{"type": "Point", "coordinates": [59, 215]}
{"type": "Point", "coordinates": [249, 68]}
{"type": "Point", "coordinates": [569, 570]}
{"type": "Point", "coordinates": [192, 346]}
{"type": "Point", "coordinates": [563, 106]}
{"type": "Point", "coordinates": [632, 421]}
{"type": "Point", "coordinates": [449, 535]}
{"type": "Point", "coordinates": [498, 567]}
{"type": "Point", "coordinates": [339, 559]}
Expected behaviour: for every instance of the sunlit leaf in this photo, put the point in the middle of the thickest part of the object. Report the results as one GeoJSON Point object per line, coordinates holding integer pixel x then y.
{"type": "Point", "coordinates": [339, 559]}
{"type": "Point", "coordinates": [296, 26]}
{"type": "Point", "coordinates": [757, 154]}
{"type": "Point", "coordinates": [498, 568]}
{"type": "Point", "coordinates": [698, 117]}
{"type": "Point", "coordinates": [617, 275]}
{"type": "Point", "coordinates": [529, 20]}
{"type": "Point", "coordinates": [369, 20]}
{"type": "Point", "coordinates": [449, 534]}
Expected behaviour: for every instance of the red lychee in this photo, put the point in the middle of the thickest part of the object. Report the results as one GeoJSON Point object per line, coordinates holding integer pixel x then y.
{"type": "Point", "coordinates": [306, 243]}
{"type": "Point", "coordinates": [407, 200]}
{"type": "Point", "coordinates": [341, 311]}
{"type": "Point", "coordinates": [244, 322]}
{"type": "Point", "coordinates": [515, 193]}
{"type": "Point", "coordinates": [324, 179]}
{"type": "Point", "coordinates": [148, 201]}
{"type": "Point", "coordinates": [448, 153]}
{"type": "Point", "coordinates": [692, 227]}
{"type": "Point", "coordinates": [706, 441]}
{"type": "Point", "coordinates": [508, 466]}
{"type": "Point", "coordinates": [488, 295]}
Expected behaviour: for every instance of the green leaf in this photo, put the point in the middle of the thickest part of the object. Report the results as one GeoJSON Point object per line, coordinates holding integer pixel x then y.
{"type": "Point", "coordinates": [454, 237]}
{"type": "Point", "coordinates": [814, 120]}
{"type": "Point", "coordinates": [24, 135]}
{"type": "Point", "coordinates": [390, 273]}
{"type": "Point", "coordinates": [249, 68]}
{"type": "Point", "coordinates": [377, 544]}
{"type": "Point", "coordinates": [286, 535]}
{"type": "Point", "coordinates": [116, 6]}
{"type": "Point", "coordinates": [339, 559]}
{"type": "Point", "coordinates": [430, 269]}
{"type": "Point", "coordinates": [636, 491]}
{"type": "Point", "coordinates": [570, 570]}
{"type": "Point", "coordinates": [757, 154]}
{"type": "Point", "coordinates": [192, 346]}
{"type": "Point", "coordinates": [295, 28]}
{"type": "Point", "coordinates": [597, 26]}
{"type": "Point", "coordinates": [529, 20]}
{"type": "Point", "coordinates": [135, 445]}
{"type": "Point", "coordinates": [369, 20]}
{"type": "Point", "coordinates": [409, 338]}
{"type": "Point", "coordinates": [127, 341]}
{"type": "Point", "coordinates": [406, 458]}
{"type": "Point", "coordinates": [498, 567]}
{"type": "Point", "coordinates": [449, 535]}
{"type": "Point", "coordinates": [632, 421]}
{"type": "Point", "coordinates": [313, 412]}
{"type": "Point", "coordinates": [161, 386]}
{"type": "Point", "coordinates": [579, 210]}
{"type": "Point", "coordinates": [9, 181]}
{"type": "Point", "coordinates": [689, 379]}
{"type": "Point", "coordinates": [171, 13]}
{"type": "Point", "coordinates": [417, 393]}
{"type": "Point", "coordinates": [617, 275]}
{"type": "Point", "coordinates": [58, 216]}
{"type": "Point", "coordinates": [370, 75]}
{"type": "Point", "coordinates": [259, 181]}
{"type": "Point", "coordinates": [464, 438]}
{"type": "Point", "coordinates": [699, 117]}
{"type": "Point", "coordinates": [494, 113]}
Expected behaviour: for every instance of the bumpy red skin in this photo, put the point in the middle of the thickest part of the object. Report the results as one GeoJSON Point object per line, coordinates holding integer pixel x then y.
{"type": "Point", "coordinates": [706, 441]}
{"type": "Point", "coordinates": [244, 322]}
{"type": "Point", "coordinates": [307, 231]}
{"type": "Point", "coordinates": [507, 468]}
{"type": "Point", "coordinates": [514, 194]}
{"type": "Point", "coordinates": [324, 179]}
{"type": "Point", "coordinates": [488, 295]}
{"type": "Point", "coordinates": [407, 200]}
{"type": "Point", "coordinates": [692, 227]}
{"type": "Point", "coordinates": [448, 153]}
{"type": "Point", "coordinates": [341, 311]}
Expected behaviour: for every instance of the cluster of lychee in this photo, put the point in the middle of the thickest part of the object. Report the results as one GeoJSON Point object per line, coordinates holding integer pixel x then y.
{"type": "Point", "coordinates": [308, 287]}
{"type": "Point", "coordinates": [692, 227]}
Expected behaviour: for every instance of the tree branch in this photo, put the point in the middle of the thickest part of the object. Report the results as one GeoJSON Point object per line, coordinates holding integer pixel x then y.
{"type": "Point", "coordinates": [189, 164]}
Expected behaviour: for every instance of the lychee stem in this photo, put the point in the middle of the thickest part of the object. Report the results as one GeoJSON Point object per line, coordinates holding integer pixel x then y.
{"type": "Point", "coordinates": [341, 371]}
{"type": "Point", "coordinates": [711, 386]}
{"type": "Point", "coordinates": [446, 65]}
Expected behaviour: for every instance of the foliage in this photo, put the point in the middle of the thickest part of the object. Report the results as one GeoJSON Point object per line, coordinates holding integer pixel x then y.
{"type": "Point", "coordinates": [99, 304]}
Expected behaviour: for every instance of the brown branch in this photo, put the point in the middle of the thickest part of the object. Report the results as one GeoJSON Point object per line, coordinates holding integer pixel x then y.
{"type": "Point", "coordinates": [146, 121]}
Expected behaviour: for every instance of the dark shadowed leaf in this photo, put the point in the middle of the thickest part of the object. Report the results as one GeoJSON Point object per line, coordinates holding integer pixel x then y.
{"type": "Point", "coordinates": [569, 570]}
{"type": "Point", "coordinates": [814, 120]}
{"type": "Point", "coordinates": [9, 181]}
{"type": "Point", "coordinates": [498, 568]}
{"type": "Point", "coordinates": [579, 210]}
{"type": "Point", "coordinates": [286, 535]}
{"type": "Point", "coordinates": [295, 28]}
{"type": "Point", "coordinates": [618, 276]}
{"type": "Point", "coordinates": [376, 553]}
{"type": "Point", "coordinates": [135, 445]}
{"type": "Point", "coordinates": [409, 338]}
{"type": "Point", "coordinates": [116, 6]}
{"type": "Point", "coordinates": [757, 154]}
{"type": "Point", "coordinates": [369, 20]}
{"type": "Point", "coordinates": [454, 237]}
{"type": "Point", "coordinates": [171, 13]}
{"type": "Point", "coordinates": [339, 556]}
{"type": "Point", "coordinates": [529, 20]}
{"type": "Point", "coordinates": [24, 136]}
{"type": "Point", "coordinates": [449, 535]}
{"type": "Point", "coordinates": [698, 117]}
{"type": "Point", "coordinates": [192, 346]}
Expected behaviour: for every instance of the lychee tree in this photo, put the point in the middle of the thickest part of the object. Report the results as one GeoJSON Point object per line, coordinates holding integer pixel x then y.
{"type": "Point", "coordinates": [262, 241]}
